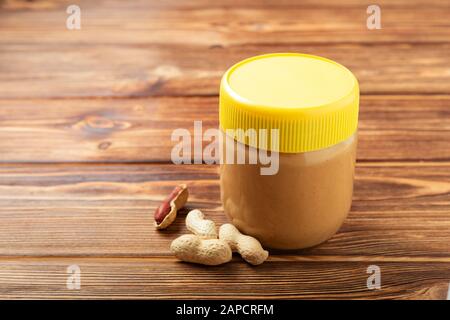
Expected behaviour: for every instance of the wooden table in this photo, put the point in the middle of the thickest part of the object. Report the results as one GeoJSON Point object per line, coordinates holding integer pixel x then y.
{"type": "Point", "coordinates": [85, 123]}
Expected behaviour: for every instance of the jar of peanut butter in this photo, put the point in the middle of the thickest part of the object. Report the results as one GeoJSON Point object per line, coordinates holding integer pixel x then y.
{"type": "Point", "coordinates": [288, 124]}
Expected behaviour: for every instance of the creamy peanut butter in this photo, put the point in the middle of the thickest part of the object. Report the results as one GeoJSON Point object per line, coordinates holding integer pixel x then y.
{"type": "Point", "coordinates": [302, 205]}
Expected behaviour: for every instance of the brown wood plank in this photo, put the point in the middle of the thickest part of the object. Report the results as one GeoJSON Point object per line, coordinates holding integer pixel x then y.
{"type": "Point", "coordinates": [169, 279]}
{"type": "Point", "coordinates": [20, 5]}
{"type": "Point", "coordinates": [101, 95]}
{"type": "Point", "coordinates": [224, 22]}
{"type": "Point", "coordinates": [139, 130]}
{"type": "Point", "coordinates": [184, 49]}
{"type": "Point", "coordinates": [96, 70]}
{"type": "Point", "coordinates": [400, 210]}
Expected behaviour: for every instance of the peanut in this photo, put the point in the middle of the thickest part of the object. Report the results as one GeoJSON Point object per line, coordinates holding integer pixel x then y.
{"type": "Point", "coordinates": [198, 225]}
{"type": "Point", "coordinates": [248, 247]}
{"type": "Point", "coordinates": [166, 213]}
{"type": "Point", "coordinates": [192, 248]}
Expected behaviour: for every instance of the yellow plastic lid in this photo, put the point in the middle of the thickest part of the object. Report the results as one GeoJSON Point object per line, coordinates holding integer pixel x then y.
{"type": "Point", "coordinates": [313, 101]}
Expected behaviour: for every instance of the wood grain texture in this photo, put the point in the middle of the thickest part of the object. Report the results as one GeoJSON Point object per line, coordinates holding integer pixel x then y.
{"type": "Point", "coordinates": [224, 22]}
{"type": "Point", "coordinates": [166, 278]}
{"type": "Point", "coordinates": [96, 70]}
{"type": "Point", "coordinates": [399, 210]}
{"type": "Point", "coordinates": [85, 124]}
{"type": "Point", "coordinates": [184, 49]}
{"type": "Point", "coordinates": [139, 130]}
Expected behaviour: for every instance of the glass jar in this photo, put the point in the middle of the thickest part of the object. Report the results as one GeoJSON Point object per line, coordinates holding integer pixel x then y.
{"type": "Point", "coordinates": [300, 112]}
